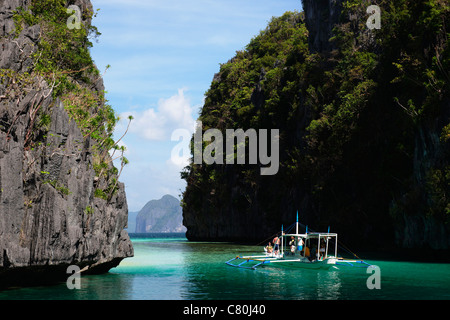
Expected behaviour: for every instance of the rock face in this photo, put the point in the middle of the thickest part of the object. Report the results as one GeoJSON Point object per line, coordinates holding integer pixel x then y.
{"type": "Point", "coordinates": [415, 229]}
{"type": "Point", "coordinates": [235, 202]}
{"type": "Point", "coordinates": [253, 212]}
{"type": "Point", "coordinates": [49, 216]}
{"type": "Point", "coordinates": [320, 18]}
{"type": "Point", "coordinates": [353, 155]}
{"type": "Point", "coordinates": [163, 215]}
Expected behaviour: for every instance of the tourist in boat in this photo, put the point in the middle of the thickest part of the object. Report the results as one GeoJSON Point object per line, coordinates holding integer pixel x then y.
{"type": "Point", "coordinates": [322, 250]}
{"type": "Point", "coordinates": [292, 245]}
{"type": "Point", "coordinates": [276, 245]}
{"type": "Point", "coordinates": [269, 248]}
{"type": "Point", "coordinates": [300, 245]}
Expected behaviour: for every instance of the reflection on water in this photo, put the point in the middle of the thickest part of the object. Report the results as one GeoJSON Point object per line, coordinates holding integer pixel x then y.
{"type": "Point", "coordinates": [175, 269]}
{"type": "Point", "coordinates": [329, 285]}
{"type": "Point", "coordinates": [208, 277]}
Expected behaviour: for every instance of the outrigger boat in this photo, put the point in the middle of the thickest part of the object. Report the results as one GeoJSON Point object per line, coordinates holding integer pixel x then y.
{"type": "Point", "coordinates": [310, 250]}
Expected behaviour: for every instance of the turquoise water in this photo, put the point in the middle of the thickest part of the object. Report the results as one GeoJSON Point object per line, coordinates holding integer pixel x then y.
{"type": "Point", "coordinates": [175, 269]}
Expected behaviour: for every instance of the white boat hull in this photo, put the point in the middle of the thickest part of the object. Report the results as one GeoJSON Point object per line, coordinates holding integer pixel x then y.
{"type": "Point", "coordinates": [301, 263]}
{"type": "Point", "coordinates": [252, 262]}
{"type": "Point", "coordinates": [304, 263]}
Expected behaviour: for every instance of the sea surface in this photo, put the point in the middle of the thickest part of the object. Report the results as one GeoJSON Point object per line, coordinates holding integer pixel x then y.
{"type": "Point", "coordinates": [168, 267]}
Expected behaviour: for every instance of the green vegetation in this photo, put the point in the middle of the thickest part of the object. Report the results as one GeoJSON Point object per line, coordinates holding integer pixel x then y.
{"type": "Point", "coordinates": [58, 186]}
{"type": "Point", "coordinates": [355, 123]}
{"type": "Point", "coordinates": [89, 210]}
{"type": "Point", "coordinates": [63, 54]}
{"type": "Point", "coordinates": [259, 88]}
{"type": "Point", "coordinates": [63, 60]}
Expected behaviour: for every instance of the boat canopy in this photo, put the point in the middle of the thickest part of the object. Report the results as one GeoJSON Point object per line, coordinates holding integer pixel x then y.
{"type": "Point", "coordinates": [321, 241]}
{"type": "Point", "coordinates": [321, 246]}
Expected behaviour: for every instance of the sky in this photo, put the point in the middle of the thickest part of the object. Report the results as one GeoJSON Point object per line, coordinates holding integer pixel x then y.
{"type": "Point", "coordinates": [163, 56]}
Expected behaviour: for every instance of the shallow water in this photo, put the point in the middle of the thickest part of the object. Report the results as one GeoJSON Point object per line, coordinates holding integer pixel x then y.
{"type": "Point", "coordinates": [176, 269]}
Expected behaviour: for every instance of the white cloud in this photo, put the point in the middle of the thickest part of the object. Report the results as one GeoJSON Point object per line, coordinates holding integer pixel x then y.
{"type": "Point", "coordinates": [158, 124]}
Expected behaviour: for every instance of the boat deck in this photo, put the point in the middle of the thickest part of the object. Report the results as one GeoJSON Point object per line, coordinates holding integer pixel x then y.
{"type": "Point", "coordinates": [253, 262]}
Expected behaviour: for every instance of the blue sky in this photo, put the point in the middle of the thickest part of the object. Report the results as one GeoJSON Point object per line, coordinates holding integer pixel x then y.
{"type": "Point", "coordinates": [163, 56]}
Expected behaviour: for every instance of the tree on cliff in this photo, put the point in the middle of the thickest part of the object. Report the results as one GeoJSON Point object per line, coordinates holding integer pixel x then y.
{"type": "Point", "coordinates": [364, 129]}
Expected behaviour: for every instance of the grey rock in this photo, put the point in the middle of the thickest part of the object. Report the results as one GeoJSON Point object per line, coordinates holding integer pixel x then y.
{"type": "Point", "coordinates": [163, 215]}
{"type": "Point", "coordinates": [240, 211]}
{"type": "Point", "coordinates": [320, 18]}
{"type": "Point", "coordinates": [46, 188]}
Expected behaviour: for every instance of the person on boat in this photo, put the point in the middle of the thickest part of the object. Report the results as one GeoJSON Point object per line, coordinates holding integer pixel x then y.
{"type": "Point", "coordinates": [269, 248]}
{"type": "Point", "coordinates": [322, 250]}
{"type": "Point", "coordinates": [276, 245]}
{"type": "Point", "coordinates": [300, 245]}
{"type": "Point", "coordinates": [292, 245]}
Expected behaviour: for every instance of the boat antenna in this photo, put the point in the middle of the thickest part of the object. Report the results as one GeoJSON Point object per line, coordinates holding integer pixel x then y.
{"type": "Point", "coordinates": [296, 225]}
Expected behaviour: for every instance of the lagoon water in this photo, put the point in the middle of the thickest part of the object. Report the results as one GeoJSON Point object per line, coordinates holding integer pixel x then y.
{"type": "Point", "coordinates": [172, 268]}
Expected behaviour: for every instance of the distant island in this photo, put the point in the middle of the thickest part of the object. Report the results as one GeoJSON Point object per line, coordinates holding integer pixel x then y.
{"type": "Point", "coordinates": [163, 215]}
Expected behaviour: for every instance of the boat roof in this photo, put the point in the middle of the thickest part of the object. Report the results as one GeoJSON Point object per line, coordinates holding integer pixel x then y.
{"type": "Point", "coordinates": [310, 234]}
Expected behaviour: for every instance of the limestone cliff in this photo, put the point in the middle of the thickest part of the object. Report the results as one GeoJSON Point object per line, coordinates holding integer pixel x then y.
{"type": "Point", "coordinates": [364, 122]}
{"type": "Point", "coordinates": [321, 16]}
{"type": "Point", "coordinates": [54, 211]}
